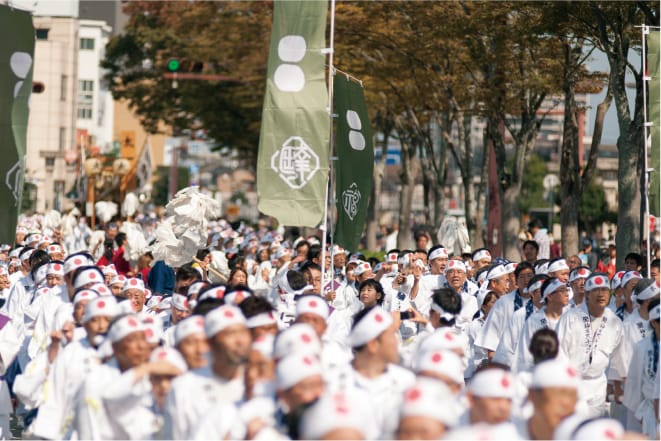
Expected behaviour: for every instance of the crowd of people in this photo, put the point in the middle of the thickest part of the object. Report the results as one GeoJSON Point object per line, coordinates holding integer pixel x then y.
{"type": "Point", "coordinates": [264, 335]}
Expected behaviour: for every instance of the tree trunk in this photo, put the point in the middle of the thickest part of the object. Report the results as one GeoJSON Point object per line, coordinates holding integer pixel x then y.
{"type": "Point", "coordinates": [570, 189]}
{"type": "Point", "coordinates": [374, 208]}
{"type": "Point", "coordinates": [478, 239]}
{"type": "Point", "coordinates": [509, 236]}
{"type": "Point", "coordinates": [409, 171]}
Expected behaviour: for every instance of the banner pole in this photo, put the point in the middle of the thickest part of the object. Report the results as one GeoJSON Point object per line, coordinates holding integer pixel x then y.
{"type": "Point", "coordinates": [646, 222]}
{"type": "Point", "coordinates": [329, 188]}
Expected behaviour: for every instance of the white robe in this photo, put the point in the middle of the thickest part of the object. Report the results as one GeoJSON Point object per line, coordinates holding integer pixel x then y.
{"type": "Point", "coordinates": [510, 339]}
{"type": "Point", "coordinates": [476, 355]}
{"type": "Point", "coordinates": [9, 346]}
{"type": "Point", "coordinates": [635, 329]}
{"type": "Point", "coordinates": [191, 397]}
{"type": "Point", "coordinates": [642, 386]}
{"type": "Point", "coordinates": [523, 359]}
{"type": "Point", "coordinates": [66, 376]}
{"type": "Point", "coordinates": [383, 395]}
{"type": "Point", "coordinates": [496, 323]}
{"type": "Point", "coordinates": [576, 344]}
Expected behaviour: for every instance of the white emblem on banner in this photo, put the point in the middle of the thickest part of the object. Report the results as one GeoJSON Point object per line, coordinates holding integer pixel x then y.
{"type": "Point", "coordinates": [295, 162]}
{"type": "Point", "coordinates": [356, 138]}
{"type": "Point", "coordinates": [290, 77]}
{"type": "Point", "coordinates": [351, 199]}
{"type": "Point", "coordinates": [13, 179]}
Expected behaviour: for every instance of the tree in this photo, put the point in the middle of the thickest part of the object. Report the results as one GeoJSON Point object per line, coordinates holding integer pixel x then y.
{"type": "Point", "coordinates": [224, 38]}
{"type": "Point", "coordinates": [532, 187]}
{"type": "Point", "coordinates": [593, 209]}
{"type": "Point", "coordinates": [611, 28]}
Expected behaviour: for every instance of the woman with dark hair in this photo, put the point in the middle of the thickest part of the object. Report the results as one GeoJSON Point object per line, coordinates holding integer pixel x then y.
{"type": "Point", "coordinates": [238, 276]}
{"type": "Point", "coordinates": [370, 293]}
{"type": "Point", "coordinates": [543, 345]}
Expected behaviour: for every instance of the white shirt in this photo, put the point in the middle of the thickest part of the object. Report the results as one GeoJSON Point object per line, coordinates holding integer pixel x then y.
{"type": "Point", "coordinates": [635, 328]}
{"type": "Point", "coordinates": [496, 323]}
{"type": "Point", "coordinates": [523, 360]}
{"type": "Point", "coordinates": [642, 385]}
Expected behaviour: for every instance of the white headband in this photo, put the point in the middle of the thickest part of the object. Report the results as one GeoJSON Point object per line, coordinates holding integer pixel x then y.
{"type": "Point", "coordinates": [496, 271]}
{"type": "Point", "coordinates": [123, 327]}
{"type": "Point", "coordinates": [579, 273]}
{"type": "Point", "coordinates": [482, 254]}
{"type": "Point", "coordinates": [554, 373]}
{"type": "Point", "coordinates": [492, 383]}
{"type": "Point", "coordinates": [454, 264]}
{"type": "Point", "coordinates": [558, 265]}
{"type": "Point", "coordinates": [629, 276]}
{"type": "Point", "coordinates": [552, 287]}
{"type": "Point", "coordinates": [535, 286]}
{"type": "Point", "coordinates": [222, 317]}
{"type": "Point", "coordinates": [596, 281]}
{"type": "Point", "coordinates": [438, 252]}
{"type": "Point", "coordinates": [188, 326]}
{"type": "Point", "coordinates": [312, 305]}
{"type": "Point", "coordinates": [370, 326]}
{"type": "Point", "coordinates": [263, 319]}
{"type": "Point", "coordinates": [649, 292]}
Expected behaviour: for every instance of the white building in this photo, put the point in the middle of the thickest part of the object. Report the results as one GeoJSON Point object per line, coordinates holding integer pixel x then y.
{"type": "Point", "coordinates": [94, 100]}
{"type": "Point", "coordinates": [52, 123]}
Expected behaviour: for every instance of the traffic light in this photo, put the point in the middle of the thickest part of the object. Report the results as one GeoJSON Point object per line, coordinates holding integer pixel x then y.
{"type": "Point", "coordinates": [174, 64]}
{"type": "Point", "coordinates": [38, 87]}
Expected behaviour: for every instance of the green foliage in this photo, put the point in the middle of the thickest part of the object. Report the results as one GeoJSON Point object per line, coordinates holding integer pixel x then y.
{"type": "Point", "coordinates": [532, 188]}
{"type": "Point", "coordinates": [162, 183]}
{"type": "Point", "coordinates": [593, 209]}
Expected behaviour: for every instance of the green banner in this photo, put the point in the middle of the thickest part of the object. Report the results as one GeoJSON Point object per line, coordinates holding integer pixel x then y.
{"type": "Point", "coordinates": [355, 163]}
{"type": "Point", "coordinates": [292, 163]}
{"type": "Point", "coordinates": [653, 58]}
{"type": "Point", "coordinates": [16, 64]}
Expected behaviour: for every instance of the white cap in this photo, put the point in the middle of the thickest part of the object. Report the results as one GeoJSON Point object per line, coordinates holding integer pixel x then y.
{"type": "Point", "coordinates": [496, 271]}
{"type": "Point", "coordinates": [298, 338]}
{"type": "Point", "coordinates": [455, 264]}
{"type": "Point", "coordinates": [110, 270]}
{"type": "Point", "coordinates": [404, 260]}
{"type": "Point", "coordinates": [542, 269]}
{"type": "Point", "coordinates": [102, 289]}
{"type": "Point", "coordinates": [26, 255]}
{"type": "Point", "coordinates": [362, 268]}
{"type": "Point", "coordinates": [391, 258]}
{"type": "Point", "coordinates": [118, 279]}
{"type": "Point", "coordinates": [371, 325]}
{"type": "Point", "coordinates": [84, 294]}
{"type": "Point", "coordinates": [55, 268]}
{"type": "Point", "coordinates": [333, 411]}
{"type": "Point", "coordinates": [54, 248]}
{"type": "Point", "coordinates": [124, 326]}
{"type": "Point", "coordinates": [222, 317]}
{"type": "Point", "coordinates": [312, 304]}
{"type": "Point", "coordinates": [558, 265]}
{"type": "Point", "coordinates": [153, 329]}
{"type": "Point", "coordinates": [554, 373]}
{"type": "Point", "coordinates": [101, 306]}
{"type": "Point", "coordinates": [171, 355]}
{"type": "Point", "coordinates": [295, 368]}
{"type": "Point", "coordinates": [596, 281]}
{"type": "Point", "coordinates": [188, 326]}
{"type": "Point", "coordinates": [579, 273]}
{"type": "Point", "coordinates": [553, 286]}
{"type": "Point", "coordinates": [655, 313]}
{"type": "Point", "coordinates": [196, 287]}
{"type": "Point", "coordinates": [133, 283]}
{"type": "Point", "coordinates": [90, 275]}
{"type": "Point", "coordinates": [179, 302]}
{"type": "Point", "coordinates": [76, 261]}
{"type": "Point", "coordinates": [438, 253]}
{"type": "Point", "coordinates": [492, 383]}
{"type": "Point", "coordinates": [578, 427]}
{"type": "Point", "coordinates": [629, 276]}
{"type": "Point", "coordinates": [444, 338]}
{"type": "Point", "coordinates": [441, 361]}
{"type": "Point", "coordinates": [424, 399]}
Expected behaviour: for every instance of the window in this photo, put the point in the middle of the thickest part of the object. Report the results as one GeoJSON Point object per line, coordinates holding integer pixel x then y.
{"type": "Point", "coordinates": [85, 98]}
{"type": "Point", "coordinates": [87, 43]}
{"type": "Point", "coordinates": [42, 34]}
{"type": "Point", "coordinates": [50, 162]}
{"type": "Point", "coordinates": [63, 138]}
{"type": "Point", "coordinates": [63, 88]}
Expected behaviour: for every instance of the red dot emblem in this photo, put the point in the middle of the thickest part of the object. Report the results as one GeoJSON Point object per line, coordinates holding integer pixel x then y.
{"type": "Point", "coordinates": [413, 394]}
{"type": "Point", "coordinates": [307, 361]}
{"type": "Point", "coordinates": [199, 321]}
{"type": "Point", "coordinates": [229, 314]}
{"type": "Point", "coordinates": [101, 304]}
{"type": "Point", "coordinates": [313, 303]}
{"type": "Point", "coordinates": [609, 434]}
{"type": "Point", "coordinates": [436, 358]}
{"type": "Point", "coordinates": [571, 372]}
{"type": "Point", "coordinates": [448, 336]}
{"type": "Point", "coordinates": [185, 303]}
{"type": "Point", "coordinates": [162, 355]}
{"type": "Point", "coordinates": [149, 333]}
{"type": "Point", "coordinates": [57, 267]}
{"type": "Point", "coordinates": [305, 338]}
{"type": "Point", "coordinates": [598, 280]}
{"type": "Point", "coordinates": [148, 320]}
{"type": "Point", "coordinates": [92, 275]}
{"type": "Point", "coordinates": [134, 282]}
{"type": "Point", "coordinates": [77, 262]}
{"type": "Point", "coordinates": [505, 382]}
{"type": "Point", "coordinates": [378, 318]}
{"type": "Point", "coordinates": [132, 322]}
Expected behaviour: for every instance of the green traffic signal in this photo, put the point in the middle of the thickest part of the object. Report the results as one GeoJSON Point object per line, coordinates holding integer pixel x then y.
{"type": "Point", "coordinates": [173, 64]}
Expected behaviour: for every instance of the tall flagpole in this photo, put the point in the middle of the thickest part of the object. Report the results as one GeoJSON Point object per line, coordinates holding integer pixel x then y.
{"type": "Point", "coordinates": [330, 151]}
{"type": "Point", "coordinates": [646, 200]}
